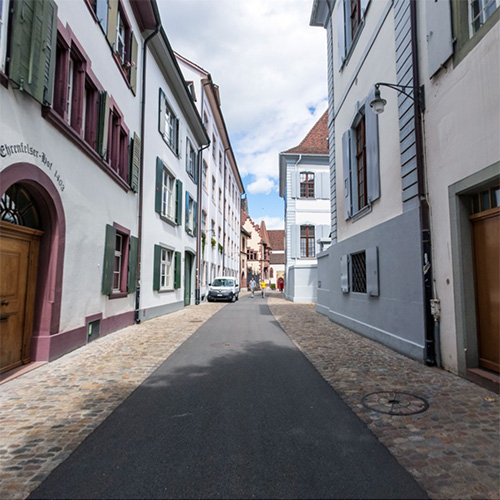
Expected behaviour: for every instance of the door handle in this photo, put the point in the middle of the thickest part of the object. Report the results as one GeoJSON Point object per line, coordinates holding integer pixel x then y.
{"type": "Point", "coordinates": [4, 302]}
{"type": "Point", "coordinates": [3, 318]}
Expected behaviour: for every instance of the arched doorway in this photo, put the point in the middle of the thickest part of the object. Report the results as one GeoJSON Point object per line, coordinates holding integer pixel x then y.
{"type": "Point", "coordinates": [19, 244]}
{"type": "Point", "coordinates": [32, 210]}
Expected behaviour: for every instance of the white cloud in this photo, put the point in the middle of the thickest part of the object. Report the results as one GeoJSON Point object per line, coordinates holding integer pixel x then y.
{"type": "Point", "coordinates": [271, 222]}
{"type": "Point", "coordinates": [270, 65]}
{"type": "Point", "coordinates": [262, 185]}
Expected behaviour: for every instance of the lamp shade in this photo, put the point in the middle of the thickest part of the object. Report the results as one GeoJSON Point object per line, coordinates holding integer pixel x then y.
{"type": "Point", "coordinates": [378, 103]}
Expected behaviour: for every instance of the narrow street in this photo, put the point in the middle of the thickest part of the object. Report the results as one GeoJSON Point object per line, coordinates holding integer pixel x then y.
{"type": "Point", "coordinates": [261, 398]}
{"type": "Point", "coordinates": [236, 412]}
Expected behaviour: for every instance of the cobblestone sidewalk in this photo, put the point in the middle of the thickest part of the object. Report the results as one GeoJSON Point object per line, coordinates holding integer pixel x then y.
{"type": "Point", "coordinates": [452, 449]}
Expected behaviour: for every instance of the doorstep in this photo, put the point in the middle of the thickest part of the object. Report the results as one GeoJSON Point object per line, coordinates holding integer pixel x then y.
{"type": "Point", "coordinates": [20, 370]}
{"type": "Point", "coordinates": [484, 378]}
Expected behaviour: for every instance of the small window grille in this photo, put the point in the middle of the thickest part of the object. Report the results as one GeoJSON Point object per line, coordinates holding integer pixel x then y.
{"type": "Point", "coordinates": [359, 272]}
{"type": "Point", "coordinates": [93, 329]}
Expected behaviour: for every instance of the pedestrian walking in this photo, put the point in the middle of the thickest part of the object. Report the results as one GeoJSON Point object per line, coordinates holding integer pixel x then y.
{"type": "Point", "coordinates": [263, 288]}
{"type": "Point", "coordinates": [253, 284]}
{"type": "Point", "coordinates": [281, 284]}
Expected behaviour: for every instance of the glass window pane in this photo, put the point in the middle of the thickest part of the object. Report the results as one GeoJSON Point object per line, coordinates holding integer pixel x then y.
{"type": "Point", "coordinates": [485, 201]}
{"type": "Point", "coordinates": [495, 197]}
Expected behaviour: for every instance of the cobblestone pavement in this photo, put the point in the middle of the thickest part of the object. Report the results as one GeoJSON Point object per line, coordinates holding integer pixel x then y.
{"type": "Point", "coordinates": [452, 449]}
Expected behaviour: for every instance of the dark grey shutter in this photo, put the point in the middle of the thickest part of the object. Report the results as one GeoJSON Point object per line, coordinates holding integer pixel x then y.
{"type": "Point", "coordinates": [439, 34]}
{"type": "Point", "coordinates": [372, 153]}
{"type": "Point", "coordinates": [344, 273]}
{"type": "Point", "coordinates": [156, 267]}
{"type": "Point", "coordinates": [135, 169]}
{"type": "Point", "coordinates": [295, 241]}
{"type": "Point", "coordinates": [109, 257]}
{"type": "Point", "coordinates": [195, 218]}
{"type": "Point", "coordinates": [132, 264]}
{"type": "Point", "coordinates": [372, 272]}
{"type": "Point", "coordinates": [178, 202]}
{"type": "Point", "coordinates": [346, 157]}
{"type": "Point", "coordinates": [341, 45]}
{"type": "Point", "coordinates": [159, 185]}
{"type": "Point", "coordinates": [33, 48]}
{"type": "Point", "coordinates": [186, 219]}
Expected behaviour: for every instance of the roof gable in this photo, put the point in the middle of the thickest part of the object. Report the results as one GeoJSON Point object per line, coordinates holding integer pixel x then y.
{"type": "Point", "coordinates": [316, 141]}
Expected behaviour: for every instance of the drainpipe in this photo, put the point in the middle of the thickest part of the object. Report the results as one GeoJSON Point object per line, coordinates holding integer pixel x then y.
{"type": "Point", "coordinates": [430, 327]}
{"type": "Point", "coordinates": [199, 188]}
{"type": "Point", "coordinates": [141, 176]}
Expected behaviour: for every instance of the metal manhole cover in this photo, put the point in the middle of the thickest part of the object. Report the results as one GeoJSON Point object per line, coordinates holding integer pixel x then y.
{"type": "Point", "coordinates": [395, 403]}
{"type": "Point", "coordinates": [221, 345]}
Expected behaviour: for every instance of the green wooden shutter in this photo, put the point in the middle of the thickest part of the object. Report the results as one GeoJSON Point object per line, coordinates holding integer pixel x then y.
{"type": "Point", "coordinates": [162, 109]}
{"type": "Point", "coordinates": [109, 256]}
{"type": "Point", "coordinates": [156, 268]}
{"type": "Point", "coordinates": [112, 22]}
{"type": "Point", "coordinates": [135, 163]}
{"type": "Point", "coordinates": [33, 52]}
{"type": "Point", "coordinates": [103, 124]}
{"type": "Point", "coordinates": [159, 184]}
{"type": "Point", "coordinates": [177, 270]}
{"type": "Point", "coordinates": [132, 264]}
{"type": "Point", "coordinates": [178, 202]}
{"type": "Point", "coordinates": [134, 48]}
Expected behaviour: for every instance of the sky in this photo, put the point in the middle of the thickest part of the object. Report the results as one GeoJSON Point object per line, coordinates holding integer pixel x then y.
{"type": "Point", "coordinates": [271, 69]}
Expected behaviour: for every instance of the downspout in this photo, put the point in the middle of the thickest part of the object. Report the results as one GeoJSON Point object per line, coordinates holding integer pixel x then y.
{"type": "Point", "coordinates": [224, 216]}
{"type": "Point", "coordinates": [431, 330]}
{"type": "Point", "coordinates": [141, 176]}
{"type": "Point", "coordinates": [199, 189]}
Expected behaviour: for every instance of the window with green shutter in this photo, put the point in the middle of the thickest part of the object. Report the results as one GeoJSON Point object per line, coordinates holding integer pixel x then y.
{"type": "Point", "coordinates": [177, 270]}
{"type": "Point", "coordinates": [33, 48]}
{"type": "Point", "coordinates": [135, 163]}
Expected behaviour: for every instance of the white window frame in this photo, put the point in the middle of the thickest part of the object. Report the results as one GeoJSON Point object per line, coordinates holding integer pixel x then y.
{"type": "Point", "coordinates": [166, 269]}
{"type": "Point", "coordinates": [120, 37]}
{"type": "Point", "coordinates": [190, 213]}
{"type": "Point", "coordinates": [117, 273]}
{"type": "Point", "coordinates": [190, 160]}
{"type": "Point", "coordinates": [168, 195]}
{"type": "Point", "coordinates": [483, 15]}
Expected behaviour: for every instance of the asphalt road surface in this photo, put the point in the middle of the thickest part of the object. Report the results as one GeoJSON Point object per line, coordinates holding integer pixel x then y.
{"type": "Point", "coordinates": [236, 412]}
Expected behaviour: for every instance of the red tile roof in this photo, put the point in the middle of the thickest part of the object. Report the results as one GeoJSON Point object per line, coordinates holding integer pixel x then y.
{"type": "Point", "coordinates": [316, 141]}
{"type": "Point", "coordinates": [277, 239]}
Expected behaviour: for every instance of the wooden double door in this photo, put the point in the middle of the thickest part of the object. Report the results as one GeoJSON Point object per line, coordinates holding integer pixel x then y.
{"type": "Point", "coordinates": [18, 270]}
{"type": "Point", "coordinates": [486, 242]}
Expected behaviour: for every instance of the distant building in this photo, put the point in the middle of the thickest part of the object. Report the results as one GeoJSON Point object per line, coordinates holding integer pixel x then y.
{"type": "Point", "coordinates": [305, 186]}
{"type": "Point", "coordinates": [258, 249]}
{"type": "Point", "coordinates": [277, 256]}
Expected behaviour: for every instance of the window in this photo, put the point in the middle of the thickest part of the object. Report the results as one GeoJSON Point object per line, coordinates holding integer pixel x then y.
{"type": "Point", "coordinates": [167, 269]}
{"type": "Point", "coordinates": [214, 187]}
{"type": "Point", "coordinates": [205, 175]}
{"type": "Point", "coordinates": [4, 17]}
{"type": "Point", "coordinates": [205, 120]}
{"type": "Point", "coordinates": [168, 124]}
{"type": "Point", "coordinates": [359, 272]}
{"type": "Point", "coordinates": [120, 262]}
{"type": "Point", "coordinates": [203, 221]}
{"type": "Point", "coordinates": [360, 151]}
{"type": "Point", "coordinates": [121, 36]}
{"type": "Point", "coordinates": [190, 222]}
{"type": "Point", "coordinates": [220, 200]}
{"type": "Point", "coordinates": [350, 19]}
{"type": "Point", "coordinates": [214, 147]}
{"type": "Point", "coordinates": [220, 162]}
{"type": "Point", "coordinates": [191, 161]}
{"type": "Point", "coordinates": [100, 8]}
{"type": "Point", "coordinates": [306, 185]}
{"type": "Point", "coordinates": [479, 12]}
{"type": "Point", "coordinates": [485, 200]}
{"type": "Point", "coordinates": [360, 139]}
{"type": "Point", "coordinates": [307, 244]}
{"type": "Point", "coordinates": [168, 194]}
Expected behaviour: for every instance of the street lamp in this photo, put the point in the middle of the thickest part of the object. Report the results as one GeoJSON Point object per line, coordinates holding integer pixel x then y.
{"type": "Point", "coordinates": [378, 104]}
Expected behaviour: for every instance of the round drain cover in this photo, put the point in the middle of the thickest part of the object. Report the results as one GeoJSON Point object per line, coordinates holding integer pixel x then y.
{"type": "Point", "coordinates": [395, 403]}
